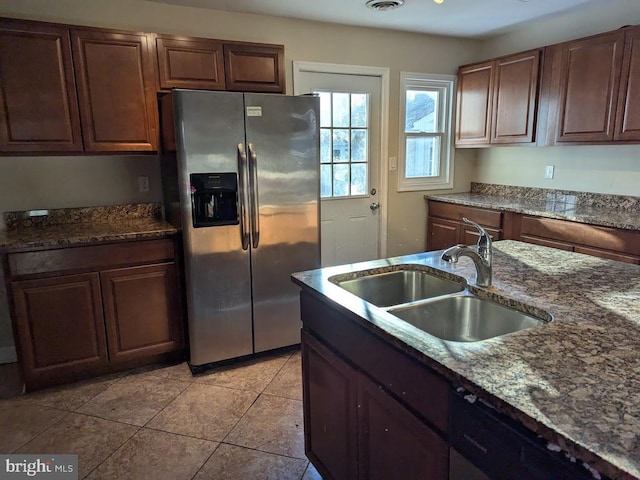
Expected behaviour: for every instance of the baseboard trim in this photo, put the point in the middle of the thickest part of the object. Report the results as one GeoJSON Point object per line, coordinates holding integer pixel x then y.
{"type": "Point", "coordinates": [8, 355]}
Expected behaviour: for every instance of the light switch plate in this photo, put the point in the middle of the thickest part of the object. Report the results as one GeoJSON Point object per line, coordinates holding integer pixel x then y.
{"type": "Point", "coordinates": [548, 171]}
{"type": "Point", "coordinates": [143, 184]}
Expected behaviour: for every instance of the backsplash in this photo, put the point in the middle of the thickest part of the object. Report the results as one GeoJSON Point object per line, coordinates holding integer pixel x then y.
{"type": "Point", "coordinates": [66, 216]}
{"type": "Point", "coordinates": [598, 200]}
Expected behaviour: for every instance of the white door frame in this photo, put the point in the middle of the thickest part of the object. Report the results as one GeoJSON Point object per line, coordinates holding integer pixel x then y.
{"type": "Point", "coordinates": [383, 74]}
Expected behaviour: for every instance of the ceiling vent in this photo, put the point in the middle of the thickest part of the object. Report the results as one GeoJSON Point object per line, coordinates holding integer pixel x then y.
{"type": "Point", "coordinates": [382, 5]}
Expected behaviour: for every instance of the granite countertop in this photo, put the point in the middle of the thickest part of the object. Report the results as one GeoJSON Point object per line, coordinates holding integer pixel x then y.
{"type": "Point", "coordinates": [616, 211]}
{"type": "Point", "coordinates": [575, 381]}
{"type": "Point", "coordinates": [83, 226]}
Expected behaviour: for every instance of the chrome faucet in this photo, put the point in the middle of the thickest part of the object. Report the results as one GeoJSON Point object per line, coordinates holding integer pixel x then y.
{"type": "Point", "coordinates": [480, 254]}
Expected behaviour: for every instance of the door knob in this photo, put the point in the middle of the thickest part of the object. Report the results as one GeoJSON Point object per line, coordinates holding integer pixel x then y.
{"type": "Point", "coordinates": [374, 206]}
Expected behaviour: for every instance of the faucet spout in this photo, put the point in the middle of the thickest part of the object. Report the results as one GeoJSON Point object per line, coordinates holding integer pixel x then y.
{"type": "Point", "coordinates": [481, 254]}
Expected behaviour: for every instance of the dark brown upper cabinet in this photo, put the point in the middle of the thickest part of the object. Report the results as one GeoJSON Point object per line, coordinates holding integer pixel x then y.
{"type": "Point", "coordinates": [253, 67]}
{"type": "Point", "coordinates": [590, 72]}
{"type": "Point", "coordinates": [66, 89]}
{"type": "Point", "coordinates": [116, 88]}
{"type": "Point", "coordinates": [475, 97]}
{"type": "Point", "coordinates": [497, 101]}
{"type": "Point", "coordinates": [185, 62]}
{"type": "Point", "coordinates": [628, 112]}
{"type": "Point", "coordinates": [38, 104]}
{"type": "Point", "coordinates": [515, 98]}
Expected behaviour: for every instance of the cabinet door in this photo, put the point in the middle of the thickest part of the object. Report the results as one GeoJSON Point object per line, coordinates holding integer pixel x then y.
{"type": "Point", "coordinates": [38, 106]}
{"type": "Point", "coordinates": [116, 90]}
{"type": "Point", "coordinates": [59, 328]}
{"type": "Point", "coordinates": [475, 98]}
{"type": "Point", "coordinates": [392, 442]}
{"type": "Point", "coordinates": [142, 311]}
{"type": "Point", "coordinates": [254, 67]}
{"type": "Point", "coordinates": [590, 77]}
{"type": "Point", "coordinates": [329, 411]}
{"type": "Point", "coordinates": [190, 63]}
{"type": "Point", "coordinates": [442, 233]}
{"type": "Point", "coordinates": [628, 114]}
{"type": "Point", "coordinates": [515, 98]}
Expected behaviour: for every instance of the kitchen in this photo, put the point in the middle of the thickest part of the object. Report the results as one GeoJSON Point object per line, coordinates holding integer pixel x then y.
{"type": "Point", "coordinates": [74, 181]}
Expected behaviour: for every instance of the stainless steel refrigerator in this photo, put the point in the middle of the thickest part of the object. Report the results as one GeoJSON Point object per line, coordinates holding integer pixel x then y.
{"type": "Point", "coordinates": [243, 187]}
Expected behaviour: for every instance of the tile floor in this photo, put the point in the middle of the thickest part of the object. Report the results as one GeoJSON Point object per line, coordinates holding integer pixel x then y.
{"type": "Point", "coordinates": [242, 421]}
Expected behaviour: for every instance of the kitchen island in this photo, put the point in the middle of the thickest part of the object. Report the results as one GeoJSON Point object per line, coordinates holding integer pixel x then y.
{"type": "Point", "coordinates": [574, 381]}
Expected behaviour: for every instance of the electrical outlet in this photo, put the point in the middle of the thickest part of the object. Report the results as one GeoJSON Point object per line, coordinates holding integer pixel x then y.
{"type": "Point", "coordinates": [548, 171]}
{"type": "Point", "coordinates": [143, 184]}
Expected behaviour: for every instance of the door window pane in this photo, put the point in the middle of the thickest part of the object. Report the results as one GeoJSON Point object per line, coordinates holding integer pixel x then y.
{"type": "Point", "coordinates": [325, 180]}
{"type": "Point", "coordinates": [341, 145]}
{"type": "Point", "coordinates": [358, 178]}
{"type": "Point", "coordinates": [340, 110]}
{"type": "Point", "coordinates": [325, 109]}
{"type": "Point", "coordinates": [359, 146]}
{"type": "Point", "coordinates": [344, 144]}
{"type": "Point", "coordinates": [359, 110]}
{"type": "Point", "coordinates": [340, 180]}
{"type": "Point", "coordinates": [325, 145]}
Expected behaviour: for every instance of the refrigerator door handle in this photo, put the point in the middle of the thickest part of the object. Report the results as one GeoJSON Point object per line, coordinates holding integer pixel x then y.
{"type": "Point", "coordinates": [253, 194]}
{"type": "Point", "coordinates": [242, 194]}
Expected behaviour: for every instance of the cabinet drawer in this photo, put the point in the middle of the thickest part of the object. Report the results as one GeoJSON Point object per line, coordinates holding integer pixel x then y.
{"type": "Point", "coordinates": [410, 381]}
{"type": "Point", "coordinates": [547, 243]}
{"type": "Point", "coordinates": [90, 257]}
{"type": "Point", "coordinates": [619, 257]}
{"type": "Point", "coordinates": [486, 218]}
{"type": "Point", "coordinates": [582, 234]}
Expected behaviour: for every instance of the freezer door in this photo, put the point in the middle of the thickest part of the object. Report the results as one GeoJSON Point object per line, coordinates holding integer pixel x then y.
{"type": "Point", "coordinates": [209, 127]}
{"type": "Point", "coordinates": [283, 146]}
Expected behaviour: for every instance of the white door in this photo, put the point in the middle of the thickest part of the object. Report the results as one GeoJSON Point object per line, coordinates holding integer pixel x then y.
{"type": "Point", "coordinates": [350, 135]}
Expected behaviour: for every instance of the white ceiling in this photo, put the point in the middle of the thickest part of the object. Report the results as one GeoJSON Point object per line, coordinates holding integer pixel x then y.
{"type": "Point", "coordinates": [460, 18]}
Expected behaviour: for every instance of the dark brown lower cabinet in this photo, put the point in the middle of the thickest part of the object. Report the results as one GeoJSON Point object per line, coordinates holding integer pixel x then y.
{"type": "Point", "coordinates": [392, 442]}
{"type": "Point", "coordinates": [445, 228]}
{"type": "Point", "coordinates": [354, 427]}
{"type": "Point", "coordinates": [605, 242]}
{"type": "Point", "coordinates": [330, 411]}
{"type": "Point", "coordinates": [74, 326]}
{"type": "Point", "coordinates": [59, 326]}
{"type": "Point", "coordinates": [141, 306]}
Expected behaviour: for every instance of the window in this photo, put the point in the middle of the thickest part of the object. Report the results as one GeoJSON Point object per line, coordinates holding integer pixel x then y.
{"type": "Point", "coordinates": [425, 153]}
{"type": "Point", "coordinates": [344, 144]}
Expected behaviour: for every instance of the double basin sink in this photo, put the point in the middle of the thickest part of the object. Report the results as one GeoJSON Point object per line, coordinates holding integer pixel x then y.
{"type": "Point", "coordinates": [438, 306]}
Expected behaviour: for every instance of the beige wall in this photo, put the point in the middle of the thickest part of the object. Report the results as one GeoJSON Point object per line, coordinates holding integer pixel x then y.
{"type": "Point", "coordinates": [603, 169]}
{"type": "Point", "coordinates": [28, 183]}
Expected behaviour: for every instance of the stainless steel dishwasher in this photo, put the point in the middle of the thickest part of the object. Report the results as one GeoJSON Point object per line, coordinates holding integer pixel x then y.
{"type": "Point", "coordinates": [485, 445]}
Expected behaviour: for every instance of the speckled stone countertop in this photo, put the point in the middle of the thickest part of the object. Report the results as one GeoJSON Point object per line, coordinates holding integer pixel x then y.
{"type": "Point", "coordinates": [616, 211]}
{"type": "Point", "coordinates": [575, 381]}
{"type": "Point", "coordinates": [83, 226]}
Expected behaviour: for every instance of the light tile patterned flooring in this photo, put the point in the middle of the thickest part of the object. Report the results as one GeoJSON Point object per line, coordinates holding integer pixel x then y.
{"type": "Point", "coordinates": [237, 422]}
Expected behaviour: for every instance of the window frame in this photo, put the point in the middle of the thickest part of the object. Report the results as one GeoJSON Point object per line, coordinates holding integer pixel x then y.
{"type": "Point", "coordinates": [424, 81]}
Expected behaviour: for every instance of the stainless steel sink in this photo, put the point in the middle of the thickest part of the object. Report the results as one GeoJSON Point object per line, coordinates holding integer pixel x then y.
{"type": "Point", "coordinates": [466, 318]}
{"type": "Point", "coordinates": [396, 287]}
